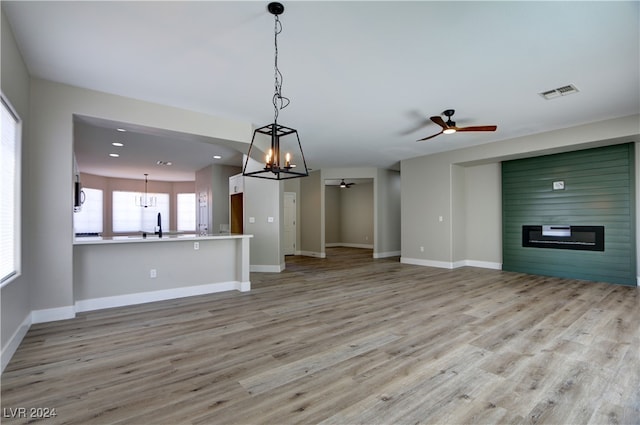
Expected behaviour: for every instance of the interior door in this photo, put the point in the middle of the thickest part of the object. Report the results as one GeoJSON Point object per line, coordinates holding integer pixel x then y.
{"type": "Point", "coordinates": [237, 213]}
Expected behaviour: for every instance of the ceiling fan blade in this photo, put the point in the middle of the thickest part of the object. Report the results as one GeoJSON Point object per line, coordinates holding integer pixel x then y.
{"type": "Point", "coordinates": [478, 128]}
{"type": "Point", "coordinates": [418, 121]}
{"type": "Point", "coordinates": [438, 120]}
{"type": "Point", "coordinates": [430, 137]}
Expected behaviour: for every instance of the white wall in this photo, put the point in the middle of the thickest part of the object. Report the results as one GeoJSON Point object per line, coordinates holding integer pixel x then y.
{"type": "Point", "coordinates": [293, 185]}
{"type": "Point", "coordinates": [387, 218]}
{"type": "Point", "coordinates": [356, 215]}
{"type": "Point", "coordinates": [332, 221]}
{"type": "Point", "coordinates": [637, 170]}
{"type": "Point", "coordinates": [50, 162]}
{"type": "Point", "coordinates": [463, 187]}
{"type": "Point", "coordinates": [349, 215]}
{"type": "Point", "coordinates": [311, 219]}
{"type": "Point", "coordinates": [458, 222]}
{"type": "Point", "coordinates": [483, 206]}
{"type": "Point", "coordinates": [426, 212]}
{"type": "Point", "coordinates": [14, 296]}
{"type": "Point", "coordinates": [263, 200]}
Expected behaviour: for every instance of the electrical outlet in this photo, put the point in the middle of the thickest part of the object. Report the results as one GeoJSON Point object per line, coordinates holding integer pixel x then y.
{"type": "Point", "coordinates": [153, 273]}
{"type": "Point", "coordinates": [421, 249]}
{"type": "Point", "coordinates": [196, 245]}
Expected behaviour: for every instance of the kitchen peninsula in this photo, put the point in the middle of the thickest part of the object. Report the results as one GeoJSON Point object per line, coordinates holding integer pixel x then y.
{"type": "Point", "coordinates": [126, 270]}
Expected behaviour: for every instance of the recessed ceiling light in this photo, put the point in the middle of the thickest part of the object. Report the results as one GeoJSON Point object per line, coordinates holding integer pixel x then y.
{"type": "Point", "coordinates": [121, 129]}
{"type": "Point", "coordinates": [117, 144]}
{"type": "Point", "coordinates": [114, 155]}
{"type": "Point", "coordinates": [217, 157]}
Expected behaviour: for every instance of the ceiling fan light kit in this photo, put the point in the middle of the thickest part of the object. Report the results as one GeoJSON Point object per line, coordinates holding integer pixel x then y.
{"type": "Point", "coordinates": [276, 166]}
{"type": "Point", "coordinates": [449, 127]}
{"type": "Point", "coordinates": [344, 185]}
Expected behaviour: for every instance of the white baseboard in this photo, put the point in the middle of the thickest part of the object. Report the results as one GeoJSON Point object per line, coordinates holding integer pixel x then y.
{"type": "Point", "coordinates": [458, 264]}
{"type": "Point", "coordinates": [451, 265]}
{"type": "Point", "coordinates": [314, 254]}
{"type": "Point", "coordinates": [426, 263]}
{"type": "Point", "coordinates": [244, 286]}
{"type": "Point", "coordinates": [265, 268]}
{"type": "Point", "coordinates": [349, 245]}
{"type": "Point", "coordinates": [386, 254]}
{"type": "Point", "coordinates": [365, 246]}
{"type": "Point", "coordinates": [483, 264]}
{"type": "Point", "coordinates": [14, 342]}
{"type": "Point", "coordinates": [165, 294]}
{"type": "Point", "coordinates": [53, 314]}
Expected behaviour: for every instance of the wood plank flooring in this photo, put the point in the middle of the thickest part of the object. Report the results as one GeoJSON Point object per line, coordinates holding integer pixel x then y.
{"type": "Point", "coordinates": [344, 340]}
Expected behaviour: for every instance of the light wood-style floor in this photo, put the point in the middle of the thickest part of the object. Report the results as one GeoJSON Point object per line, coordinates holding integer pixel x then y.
{"type": "Point", "coordinates": [345, 340]}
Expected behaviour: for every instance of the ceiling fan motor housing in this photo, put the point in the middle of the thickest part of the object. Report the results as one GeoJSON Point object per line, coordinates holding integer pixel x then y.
{"type": "Point", "coordinates": [449, 113]}
{"type": "Point", "coordinates": [275, 8]}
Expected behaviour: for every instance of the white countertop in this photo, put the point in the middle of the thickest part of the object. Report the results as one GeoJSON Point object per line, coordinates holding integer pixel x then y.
{"type": "Point", "coordinates": [152, 238]}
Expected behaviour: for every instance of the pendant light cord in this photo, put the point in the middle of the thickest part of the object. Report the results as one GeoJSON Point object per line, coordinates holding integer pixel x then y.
{"type": "Point", "coordinates": [279, 101]}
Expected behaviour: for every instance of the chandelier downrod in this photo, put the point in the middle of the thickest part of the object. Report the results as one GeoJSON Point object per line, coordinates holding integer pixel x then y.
{"type": "Point", "coordinates": [277, 167]}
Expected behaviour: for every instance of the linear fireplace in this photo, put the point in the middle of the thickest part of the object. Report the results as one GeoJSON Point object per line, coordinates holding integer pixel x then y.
{"type": "Point", "coordinates": [584, 238]}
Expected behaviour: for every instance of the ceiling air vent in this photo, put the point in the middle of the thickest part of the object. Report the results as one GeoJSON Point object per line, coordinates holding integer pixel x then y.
{"type": "Point", "coordinates": [560, 91]}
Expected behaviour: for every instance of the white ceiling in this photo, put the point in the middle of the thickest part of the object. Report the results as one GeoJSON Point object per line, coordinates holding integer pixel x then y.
{"type": "Point", "coordinates": [142, 149]}
{"type": "Point", "coordinates": [363, 77]}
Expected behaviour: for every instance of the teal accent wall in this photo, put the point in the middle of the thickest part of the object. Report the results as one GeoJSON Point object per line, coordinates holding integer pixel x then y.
{"type": "Point", "coordinates": [599, 190]}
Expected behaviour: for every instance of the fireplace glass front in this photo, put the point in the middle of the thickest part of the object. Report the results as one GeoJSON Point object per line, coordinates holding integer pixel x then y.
{"type": "Point", "coordinates": [585, 238]}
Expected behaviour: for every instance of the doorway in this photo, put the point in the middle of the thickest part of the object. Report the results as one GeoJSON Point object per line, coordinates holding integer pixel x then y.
{"type": "Point", "coordinates": [349, 214]}
{"type": "Point", "coordinates": [237, 213]}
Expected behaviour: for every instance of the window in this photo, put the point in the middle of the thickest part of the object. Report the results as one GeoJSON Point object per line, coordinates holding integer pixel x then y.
{"type": "Point", "coordinates": [186, 212]}
{"type": "Point", "coordinates": [129, 217]}
{"type": "Point", "coordinates": [10, 155]}
{"type": "Point", "coordinates": [89, 218]}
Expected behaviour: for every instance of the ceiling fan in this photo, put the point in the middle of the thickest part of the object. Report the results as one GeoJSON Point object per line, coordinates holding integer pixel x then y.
{"type": "Point", "coordinates": [344, 185]}
{"type": "Point", "coordinates": [449, 127]}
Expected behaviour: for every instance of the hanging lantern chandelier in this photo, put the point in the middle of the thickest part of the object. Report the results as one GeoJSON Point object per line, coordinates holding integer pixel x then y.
{"type": "Point", "coordinates": [280, 161]}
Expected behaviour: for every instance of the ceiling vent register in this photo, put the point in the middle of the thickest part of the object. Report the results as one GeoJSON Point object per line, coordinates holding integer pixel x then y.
{"type": "Point", "coordinates": [560, 91]}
